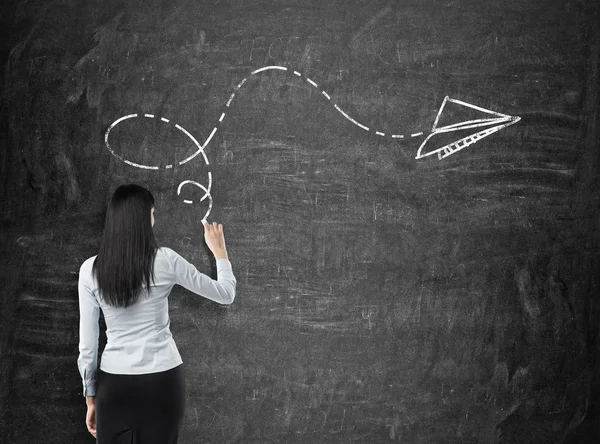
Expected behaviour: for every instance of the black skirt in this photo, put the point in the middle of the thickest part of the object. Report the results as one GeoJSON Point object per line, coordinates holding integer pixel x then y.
{"type": "Point", "coordinates": [139, 409]}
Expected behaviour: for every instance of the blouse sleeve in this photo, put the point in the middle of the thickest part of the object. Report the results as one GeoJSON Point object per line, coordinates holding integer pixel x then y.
{"type": "Point", "coordinates": [221, 290]}
{"type": "Point", "coordinates": [89, 313]}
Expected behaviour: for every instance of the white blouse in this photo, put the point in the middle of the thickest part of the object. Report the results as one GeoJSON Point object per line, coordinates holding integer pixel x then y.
{"type": "Point", "coordinates": [138, 337]}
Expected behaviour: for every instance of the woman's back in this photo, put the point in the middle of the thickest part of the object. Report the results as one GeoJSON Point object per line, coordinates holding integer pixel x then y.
{"type": "Point", "coordinates": [139, 389]}
{"type": "Point", "coordinates": [139, 339]}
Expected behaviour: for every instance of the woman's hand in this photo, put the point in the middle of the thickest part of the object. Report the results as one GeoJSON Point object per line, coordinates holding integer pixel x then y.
{"type": "Point", "coordinates": [213, 236]}
{"type": "Point", "coordinates": [90, 418]}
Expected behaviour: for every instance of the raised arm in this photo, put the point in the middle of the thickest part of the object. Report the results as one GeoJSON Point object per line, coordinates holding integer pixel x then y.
{"type": "Point", "coordinates": [221, 290]}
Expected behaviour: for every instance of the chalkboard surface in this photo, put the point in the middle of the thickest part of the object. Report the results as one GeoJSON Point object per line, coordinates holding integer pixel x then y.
{"type": "Point", "coordinates": [410, 198]}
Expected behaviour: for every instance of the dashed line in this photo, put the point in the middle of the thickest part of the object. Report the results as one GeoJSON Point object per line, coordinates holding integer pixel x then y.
{"type": "Point", "coordinates": [265, 68]}
{"type": "Point", "coordinates": [146, 167]}
{"type": "Point", "coordinates": [206, 194]}
{"type": "Point", "coordinates": [128, 162]}
{"type": "Point", "coordinates": [230, 99]}
{"type": "Point", "coordinates": [314, 84]}
{"type": "Point", "coordinates": [350, 118]}
{"type": "Point", "coordinates": [211, 135]}
{"type": "Point", "coordinates": [202, 147]}
{"type": "Point", "coordinates": [442, 152]}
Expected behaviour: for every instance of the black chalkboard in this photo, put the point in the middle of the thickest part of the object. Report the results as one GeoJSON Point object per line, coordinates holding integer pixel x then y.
{"type": "Point", "coordinates": [410, 198]}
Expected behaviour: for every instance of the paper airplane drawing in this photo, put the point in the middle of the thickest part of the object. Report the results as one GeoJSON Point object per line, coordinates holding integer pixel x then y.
{"type": "Point", "coordinates": [492, 122]}
{"type": "Point", "coordinates": [489, 121]}
{"type": "Point", "coordinates": [491, 125]}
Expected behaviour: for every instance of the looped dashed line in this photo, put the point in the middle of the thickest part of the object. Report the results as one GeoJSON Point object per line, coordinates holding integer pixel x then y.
{"type": "Point", "coordinates": [201, 148]}
{"type": "Point", "coordinates": [165, 120]}
{"type": "Point", "coordinates": [155, 167]}
{"type": "Point", "coordinates": [500, 120]}
{"type": "Point", "coordinates": [206, 194]}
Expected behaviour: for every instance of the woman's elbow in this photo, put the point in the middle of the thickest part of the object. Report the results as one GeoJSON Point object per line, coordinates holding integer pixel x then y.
{"type": "Point", "coordinates": [230, 295]}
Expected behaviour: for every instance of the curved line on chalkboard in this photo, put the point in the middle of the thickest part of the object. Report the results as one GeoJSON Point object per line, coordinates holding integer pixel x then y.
{"type": "Point", "coordinates": [265, 68]}
{"type": "Point", "coordinates": [128, 162]}
{"type": "Point", "coordinates": [314, 84]}
{"type": "Point", "coordinates": [153, 167]}
{"type": "Point", "coordinates": [498, 122]}
{"type": "Point", "coordinates": [163, 119]}
{"type": "Point", "coordinates": [206, 194]}
{"type": "Point", "coordinates": [202, 147]}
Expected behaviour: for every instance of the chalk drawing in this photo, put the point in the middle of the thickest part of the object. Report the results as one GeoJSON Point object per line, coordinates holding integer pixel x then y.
{"type": "Point", "coordinates": [498, 122]}
{"type": "Point", "coordinates": [492, 124]}
{"type": "Point", "coordinates": [155, 167]}
{"type": "Point", "coordinates": [206, 194]}
{"type": "Point", "coordinates": [162, 119]}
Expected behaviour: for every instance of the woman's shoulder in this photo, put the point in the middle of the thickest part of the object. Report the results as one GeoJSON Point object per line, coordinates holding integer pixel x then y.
{"type": "Point", "coordinates": [85, 271]}
{"type": "Point", "coordinates": [88, 263]}
{"type": "Point", "coordinates": [166, 260]}
{"type": "Point", "coordinates": [165, 251]}
{"type": "Point", "coordinates": [166, 254]}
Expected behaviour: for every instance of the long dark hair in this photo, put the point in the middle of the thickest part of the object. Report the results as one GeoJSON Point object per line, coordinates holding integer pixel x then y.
{"type": "Point", "coordinates": [125, 260]}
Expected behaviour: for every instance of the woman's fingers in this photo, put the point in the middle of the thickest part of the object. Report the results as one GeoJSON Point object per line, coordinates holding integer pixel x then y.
{"type": "Point", "coordinates": [213, 233]}
{"type": "Point", "coordinates": [210, 227]}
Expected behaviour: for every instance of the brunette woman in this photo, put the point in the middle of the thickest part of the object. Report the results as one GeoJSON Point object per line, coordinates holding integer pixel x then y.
{"type": "Point", "coordinates": [138, 393]}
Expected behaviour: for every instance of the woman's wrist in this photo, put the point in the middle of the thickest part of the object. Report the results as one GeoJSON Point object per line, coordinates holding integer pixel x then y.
{"type": "Point", "coordinates": [220, 254]}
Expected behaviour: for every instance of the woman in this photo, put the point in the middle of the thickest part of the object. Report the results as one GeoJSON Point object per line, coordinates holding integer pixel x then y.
{"type": "Point", "coordinates": [138, 394]}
